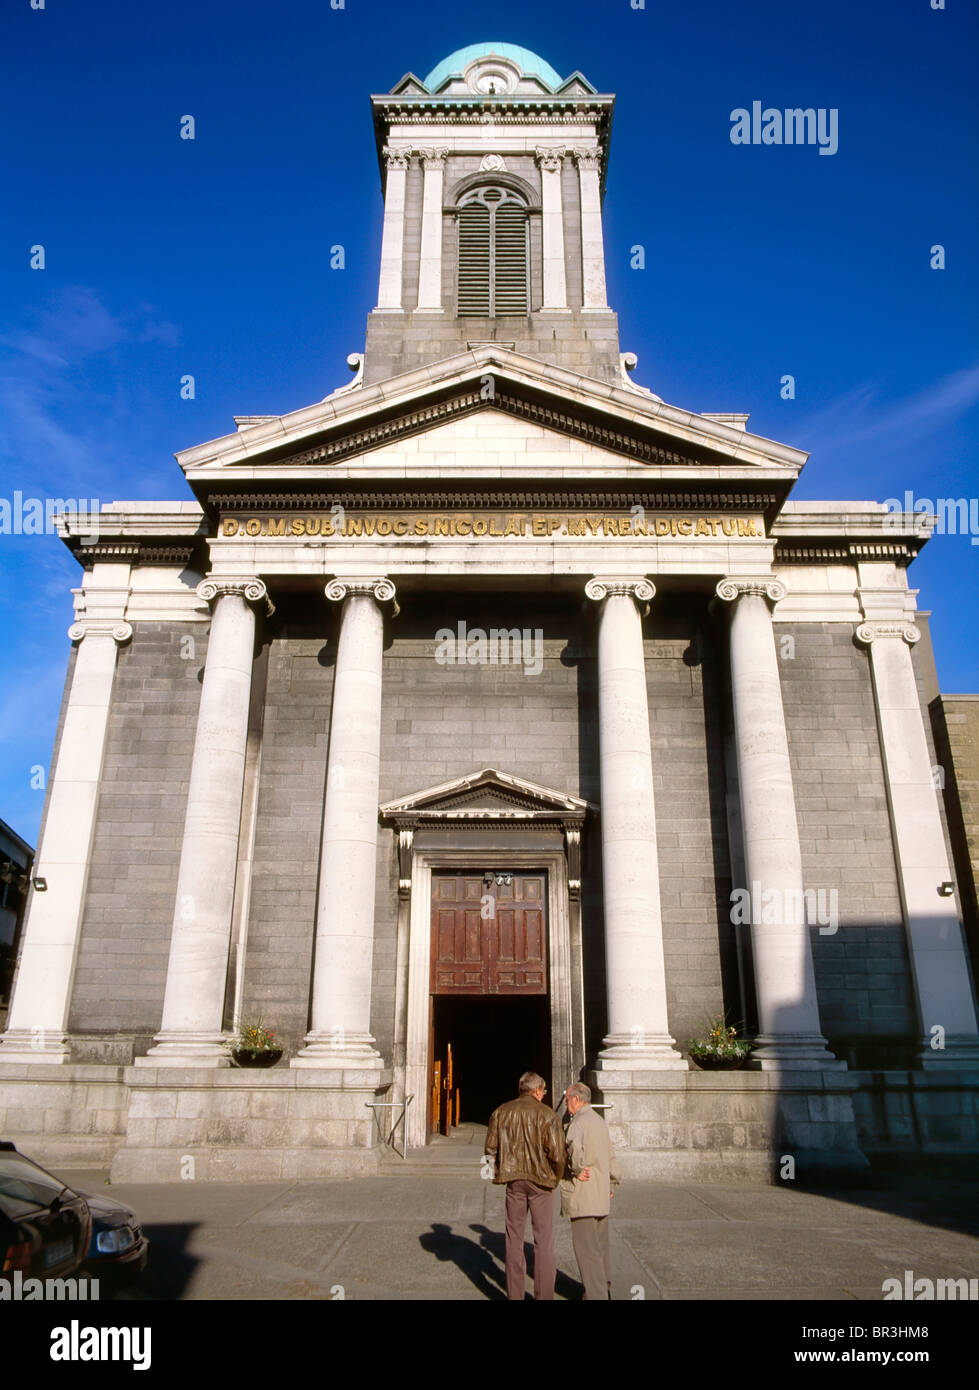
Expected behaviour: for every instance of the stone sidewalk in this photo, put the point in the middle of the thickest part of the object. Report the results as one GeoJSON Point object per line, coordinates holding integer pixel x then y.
{"type": "Point", "coordinates": [438, 1234]}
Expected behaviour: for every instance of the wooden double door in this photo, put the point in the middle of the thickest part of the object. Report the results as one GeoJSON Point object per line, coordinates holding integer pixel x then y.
{"type": "Point", "coordinates": [489, 987]}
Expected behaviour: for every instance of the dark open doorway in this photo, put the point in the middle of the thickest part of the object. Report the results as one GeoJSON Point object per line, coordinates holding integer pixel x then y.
{"type": "Point", "coordinates": [494, 1041]}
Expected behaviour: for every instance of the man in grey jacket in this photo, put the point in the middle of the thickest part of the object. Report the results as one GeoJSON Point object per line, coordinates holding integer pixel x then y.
{"type": "Point", "coordinates": [586, 1191]}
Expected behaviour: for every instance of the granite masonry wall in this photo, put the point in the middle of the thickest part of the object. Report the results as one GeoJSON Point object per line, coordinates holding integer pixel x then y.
{"type": "Point", "coordinates": [120, 975]}
{"type": "Point", "coordinates": [291, 790]}
{"type": "Point", "coordinates": [863, 976]}
{"type": "Point", "coordinates": [955, 725]}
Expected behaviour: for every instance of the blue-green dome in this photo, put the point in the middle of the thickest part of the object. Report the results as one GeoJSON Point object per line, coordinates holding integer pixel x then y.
{"type": "Point", "coordinates": [531, 63]}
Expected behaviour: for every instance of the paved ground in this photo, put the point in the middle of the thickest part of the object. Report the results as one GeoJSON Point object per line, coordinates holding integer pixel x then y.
{"type": "Point", "coordinates": [434, 1230]}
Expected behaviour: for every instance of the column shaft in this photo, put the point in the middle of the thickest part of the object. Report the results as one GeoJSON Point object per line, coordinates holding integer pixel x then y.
{"type": "Point", "coordinates": [340, 1033]}
{"type": "Point", "coordinates": [936, 949]}
{"type": "Point", "coordinates": [638, 1037]}
{"type": "Point", "coordinates": [193, 1008]}
{"type": "Point", "coordinates": [784, 978]}
{"type": "Point", "coordinates": [36, 1028]}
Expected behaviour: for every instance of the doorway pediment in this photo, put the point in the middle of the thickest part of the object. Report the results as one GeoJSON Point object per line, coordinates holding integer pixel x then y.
{"type": "Point", "coordinates": [486, 795]}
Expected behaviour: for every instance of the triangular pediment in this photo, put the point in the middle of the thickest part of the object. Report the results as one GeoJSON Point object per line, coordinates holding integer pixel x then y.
{"type": "Point", "coordinates": [410, 85]}
{"type": "Point", "coordinates": [485, 795]}
{"type": "Point", "coordinates": [614, 432]}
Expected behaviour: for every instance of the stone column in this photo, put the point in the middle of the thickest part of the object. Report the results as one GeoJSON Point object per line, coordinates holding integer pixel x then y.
{"type": "Point", "coordinates": [594, 294]}
{"type": "Point", "coordinates": [389, 294]}
{"type": "Point", "coordinates": [430, 265]}
{"type": "Point", "coordinates": [638, 1037]}
{"type": "Point", "coordinates": [936, 949]}
{"type": "Point", "coordinates": [340, 1034]}
{"type": "Point", "coordinates": [38, 1022]}
{"type": "Point", "coordinates": [193, 1008]}
{"type": "Point", "coordinates": [551, 163]}
{"type": "Point", "coordinates": [785, 983]}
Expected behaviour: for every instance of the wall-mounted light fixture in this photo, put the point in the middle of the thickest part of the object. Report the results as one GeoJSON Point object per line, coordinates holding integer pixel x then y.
{"type": "Point", "coordinates": [945, 890]}
{"type": "Point", "coordinates": [40, 885]}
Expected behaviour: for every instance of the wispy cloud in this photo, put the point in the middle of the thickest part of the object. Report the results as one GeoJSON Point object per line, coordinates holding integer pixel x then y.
{"type": "Point", "coordinates": [861, 416]}
{"type": "Point", "coordinates": [57, 405]}
{"type": "Point", "coordinates": [77, 324]}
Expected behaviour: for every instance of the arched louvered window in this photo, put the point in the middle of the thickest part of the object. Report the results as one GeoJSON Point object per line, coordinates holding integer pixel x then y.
{"type": "Point", "coordinates": [493, 254]}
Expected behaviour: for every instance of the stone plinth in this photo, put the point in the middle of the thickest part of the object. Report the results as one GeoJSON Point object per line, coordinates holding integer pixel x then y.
{"type": "Point", "coordinates": [63, 1114]}
{"type": "Point", "coordinates": [242, 1125]}
{"type": "Point", "coordinates": [907, 1114]}
{"type": "Point", "coordinates": [732, 1126]}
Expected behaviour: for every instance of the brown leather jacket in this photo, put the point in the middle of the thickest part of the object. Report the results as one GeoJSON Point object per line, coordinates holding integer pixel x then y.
{"type": "Point", "coordinates": [527, 1142]}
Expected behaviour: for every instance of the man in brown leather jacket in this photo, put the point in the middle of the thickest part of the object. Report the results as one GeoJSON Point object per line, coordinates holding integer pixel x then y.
{"type": "Point", "coordinates": [526, 1142]}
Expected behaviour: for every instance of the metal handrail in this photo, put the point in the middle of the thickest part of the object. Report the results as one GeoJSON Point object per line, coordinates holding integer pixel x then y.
{"type": "Point", "coordinates": [393, 1105]}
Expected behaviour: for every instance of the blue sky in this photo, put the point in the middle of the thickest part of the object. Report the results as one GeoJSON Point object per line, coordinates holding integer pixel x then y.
{"type": "Point", "coordinates": [211, 257]}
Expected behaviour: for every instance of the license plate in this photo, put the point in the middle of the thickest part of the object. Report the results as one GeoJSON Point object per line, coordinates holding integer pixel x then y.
{"type": "Point", "coordinates": [58, 1253]}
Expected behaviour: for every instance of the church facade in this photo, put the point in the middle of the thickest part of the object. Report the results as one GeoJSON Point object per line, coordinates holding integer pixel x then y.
{"type": "Point", "coordinates": [491, 704]}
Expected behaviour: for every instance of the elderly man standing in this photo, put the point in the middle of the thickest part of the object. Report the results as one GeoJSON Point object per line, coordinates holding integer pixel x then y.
{"type": "Point", "coordinates": [586, 1191]}
{"type": "Point", "coordinates": [527, 1144]}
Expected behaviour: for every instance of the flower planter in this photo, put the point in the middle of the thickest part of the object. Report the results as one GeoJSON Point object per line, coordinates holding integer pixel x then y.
{"type": "Point", "coordinates": [721, 1063]}
{"type": "Point", "coordinates": [242, 1058]}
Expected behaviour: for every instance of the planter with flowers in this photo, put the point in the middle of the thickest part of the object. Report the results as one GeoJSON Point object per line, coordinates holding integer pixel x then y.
{"type": "Point", "coordinates": [254, 1045]}
{"type": "Point", "coordinates": [719, 1048]}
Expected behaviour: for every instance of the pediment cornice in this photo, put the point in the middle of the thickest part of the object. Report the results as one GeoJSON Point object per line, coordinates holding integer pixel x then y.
{"type": "Point", "coordinates": [487, 795]}
{"type": "Point", "coordinates": [645, 433]}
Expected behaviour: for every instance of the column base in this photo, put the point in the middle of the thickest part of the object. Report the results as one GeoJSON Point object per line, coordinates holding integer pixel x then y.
{"type": "Point", "coordinates": [29, 1045]}
{"type": "Point", "coordinates": [186, 1050]}
{"type": "Point", "coordinates": [960, 1053]}
{"type": "Point", "coordinates": [793, 1052]}
{"type": "Point", "coordinates": [355, 1052]}
{"type": "Point", "coordinates": [651, 1052]}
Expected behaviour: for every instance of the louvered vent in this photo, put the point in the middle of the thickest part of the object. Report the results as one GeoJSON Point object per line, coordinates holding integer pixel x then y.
{"type": "Point", "coordinates": [474, 260]}
{"type": "Point", "coordinates": [493, 254]}
{"type": "Point", "coordinates": [510, 246]}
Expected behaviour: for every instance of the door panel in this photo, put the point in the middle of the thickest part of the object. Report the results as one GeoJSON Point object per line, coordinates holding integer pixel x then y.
{"type": "Point", "coordinates": [488, 938]}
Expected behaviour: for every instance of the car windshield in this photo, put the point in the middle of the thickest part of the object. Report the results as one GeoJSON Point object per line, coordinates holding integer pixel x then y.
{"type": "Point", "coordinates": [24, 1187]}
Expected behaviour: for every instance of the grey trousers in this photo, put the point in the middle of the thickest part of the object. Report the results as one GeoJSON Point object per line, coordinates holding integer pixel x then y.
{"type": "Point", "coordinates": [522, 1196]}
{"type": "Point", "coordinates": [589, 1236]}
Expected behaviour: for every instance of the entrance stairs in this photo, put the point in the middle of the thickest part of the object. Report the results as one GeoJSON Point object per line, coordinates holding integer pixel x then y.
{"type": "Point", "coordinates": [456, 1155]}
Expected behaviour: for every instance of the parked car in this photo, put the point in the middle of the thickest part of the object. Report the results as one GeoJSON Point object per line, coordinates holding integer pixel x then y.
{"type": "Point", "coordinates": [118, 1250]}
{"type": "Point", "coordinates": [45, 1227]}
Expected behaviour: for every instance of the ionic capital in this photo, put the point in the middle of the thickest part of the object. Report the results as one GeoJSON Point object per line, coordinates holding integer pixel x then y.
{"type": "Point", "coordinates": [247, 587]}
{"type": "Point", "coordinates": [870, 632]}
{"type": "Point", "coordinates": [755, 586]}
{"type": "Point", "coordinates": [550, 160]}
{"type": "Point", "coordinates": [376, 587]}
{"type": "Point", "coordinates": [640, 589]}
{"type": "Point", "coordinates": [113, 627]}
{"type": "Point", "coordinates": [396, 159]}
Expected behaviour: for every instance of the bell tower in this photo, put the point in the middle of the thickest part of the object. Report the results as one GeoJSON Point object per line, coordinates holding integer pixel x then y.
{"type": "Point", "coordinates": [493, 171]}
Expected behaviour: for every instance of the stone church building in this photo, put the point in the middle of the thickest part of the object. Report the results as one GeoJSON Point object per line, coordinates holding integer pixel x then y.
{"type": "Point", "coordinates": [491, 702]}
